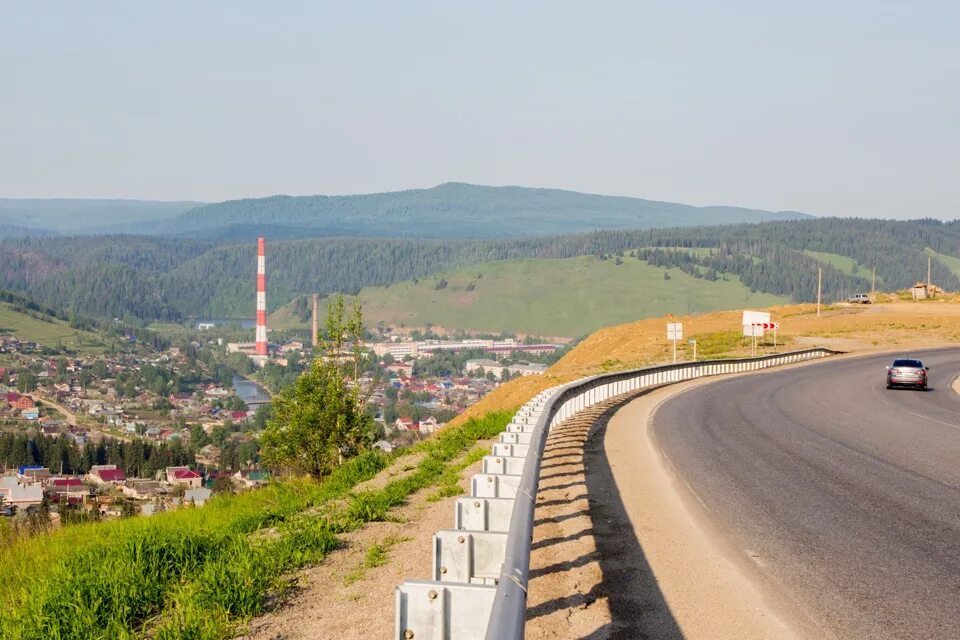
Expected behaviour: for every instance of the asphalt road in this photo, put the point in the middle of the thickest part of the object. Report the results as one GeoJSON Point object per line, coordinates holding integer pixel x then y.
{"type": "Point", "coordinates": [842, 496]}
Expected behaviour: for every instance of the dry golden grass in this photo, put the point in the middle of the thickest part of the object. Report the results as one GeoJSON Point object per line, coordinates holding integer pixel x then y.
{"type": "Point", "coordinates": [891, 324]}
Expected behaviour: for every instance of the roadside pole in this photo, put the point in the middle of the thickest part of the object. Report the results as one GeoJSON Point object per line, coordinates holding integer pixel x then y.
{"type": "Point", "coordinates": [694, 343]}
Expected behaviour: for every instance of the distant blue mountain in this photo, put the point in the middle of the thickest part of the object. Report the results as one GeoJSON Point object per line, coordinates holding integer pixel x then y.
{"type": "Point", "coordinates": [84, 216]}
{"type": "Point", "coordinates": [451, 210]}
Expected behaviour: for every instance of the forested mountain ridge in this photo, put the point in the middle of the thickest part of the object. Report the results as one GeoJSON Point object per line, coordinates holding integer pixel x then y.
{"type": "Point", "coordinates": [41, 216]}
{"type": "Point", "coordinates": [144, 279]}
{"type": "Point", "coordinates": [451, 210]}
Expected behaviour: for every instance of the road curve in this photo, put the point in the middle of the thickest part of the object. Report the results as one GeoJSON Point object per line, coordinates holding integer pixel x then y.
{"type": "Point", "coordinates": [842, 497]}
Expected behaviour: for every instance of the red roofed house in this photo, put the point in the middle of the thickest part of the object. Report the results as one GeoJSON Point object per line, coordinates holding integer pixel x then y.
{"type": "Point", "coordinates": [106, 474]}
{"type": "Point", "coordinates": [184, 476]}
{"type": "Point", "coordinates": [12, 396]}
{"type": "Point", "coordinates": [405, 424]}
{"type": "Point", "coordinates": [72, 489]}
{"type": "Point", "coordinates": [238, 415]}
{"type": "Point", "coordinates": [23, 402]}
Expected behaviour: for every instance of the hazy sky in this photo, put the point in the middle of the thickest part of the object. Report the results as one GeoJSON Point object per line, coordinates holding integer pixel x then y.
{"type": "Point", "coordinates": [847, 108]}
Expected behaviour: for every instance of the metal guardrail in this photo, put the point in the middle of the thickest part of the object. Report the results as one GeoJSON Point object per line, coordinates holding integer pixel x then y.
{"type": "Point", "coordinates": [481, 567]}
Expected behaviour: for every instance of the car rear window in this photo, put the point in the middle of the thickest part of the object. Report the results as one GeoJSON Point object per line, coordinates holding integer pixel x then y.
{"type": "Point", "coordinates": [907, 363]}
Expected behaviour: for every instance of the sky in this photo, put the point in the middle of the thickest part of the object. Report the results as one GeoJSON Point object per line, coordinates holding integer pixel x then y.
{"type": "Point", "coordinates": [831, 108]}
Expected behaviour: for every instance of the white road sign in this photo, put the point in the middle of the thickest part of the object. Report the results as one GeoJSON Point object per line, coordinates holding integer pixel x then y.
{"type": "Point", "coordinates": [753, 330]}
{"type": "Point", "coordinates": [754, 317]}
{"type": "Point", "coordinates": [675, 331]}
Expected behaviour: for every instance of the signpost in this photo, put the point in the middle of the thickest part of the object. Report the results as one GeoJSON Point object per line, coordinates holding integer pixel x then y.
{"type": "Point", "coordinates": [674, 333]}
{"type": "Point", "coordinates": [753, 322]}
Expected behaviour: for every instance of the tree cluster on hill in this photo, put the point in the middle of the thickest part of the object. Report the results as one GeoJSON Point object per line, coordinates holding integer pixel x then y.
{"type": "Point", "coordinates": [137, 458]}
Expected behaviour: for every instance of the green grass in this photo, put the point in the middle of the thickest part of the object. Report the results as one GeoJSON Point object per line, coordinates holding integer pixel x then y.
{"type": "Point", "coordinates": [949, 262]}
{"type": "Point", "coordinates": [47, 331]}
{"type": "Point", "coordinates": [564, 297]}
{"type": "Point", "coordinates": [199, 573]}
{"type": "Point", "coordinates": [841, 263]}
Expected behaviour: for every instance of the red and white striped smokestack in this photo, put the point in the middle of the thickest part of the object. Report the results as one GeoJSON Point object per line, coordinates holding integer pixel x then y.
{"type": "Point", "coordinates": [261, 298]}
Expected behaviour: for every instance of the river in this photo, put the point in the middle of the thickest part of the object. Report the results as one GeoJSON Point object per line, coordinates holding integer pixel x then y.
{"type": "Point", "coordinates": [250, 392]}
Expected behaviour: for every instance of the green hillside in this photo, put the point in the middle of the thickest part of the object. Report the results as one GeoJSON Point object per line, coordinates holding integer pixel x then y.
{"type": "Point", "coordinates": [841, 263]}
{"type": "Point", "coordinates": [565, 297]}
{"type": "Point", "coordinates": [950, 262]}
{"type": "Point", "coordinates": [46, 330]}
{"type": "Point", "coordinates": [452, 210]}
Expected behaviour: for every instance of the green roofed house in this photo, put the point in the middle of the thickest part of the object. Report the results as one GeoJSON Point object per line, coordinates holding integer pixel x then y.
{"type": "Point", "coordinates": [251, 478]}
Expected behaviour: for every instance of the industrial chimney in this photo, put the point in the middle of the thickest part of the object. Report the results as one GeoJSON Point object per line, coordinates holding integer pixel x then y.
{"type": "Point", "coordinates": [316, 323]}
{"type": "Point", "coordinates": [261, 347]}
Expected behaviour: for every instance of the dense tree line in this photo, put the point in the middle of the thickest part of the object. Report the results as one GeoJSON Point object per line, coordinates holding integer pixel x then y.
{"type": "Point", "coordinates": [161, 280]}
{"type": "Point", "coordinates": [137, 458]}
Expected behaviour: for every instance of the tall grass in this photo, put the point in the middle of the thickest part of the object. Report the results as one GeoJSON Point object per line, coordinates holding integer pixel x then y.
{"type": "Point", "coordinates": [196, 573]}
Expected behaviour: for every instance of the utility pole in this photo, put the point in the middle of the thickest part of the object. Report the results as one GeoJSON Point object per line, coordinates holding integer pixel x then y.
{"type": "Point", "coordinates": [819, 284]}
{"type": "Point", "coordinates": [873, 285]}
{"type": "Point", "coordinates": [928, 277]}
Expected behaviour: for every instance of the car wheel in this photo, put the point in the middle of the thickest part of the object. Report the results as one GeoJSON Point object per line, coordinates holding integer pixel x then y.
{"type": "Point", "coordinates": [889, 386]}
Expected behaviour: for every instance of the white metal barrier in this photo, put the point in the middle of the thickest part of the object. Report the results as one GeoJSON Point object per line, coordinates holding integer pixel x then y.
{"type": "Point", "coordinates": [480, 568]}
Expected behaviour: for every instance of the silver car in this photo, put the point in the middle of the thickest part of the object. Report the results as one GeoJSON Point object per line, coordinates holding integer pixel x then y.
{"type": "Point", "coordinates": [907, 373]}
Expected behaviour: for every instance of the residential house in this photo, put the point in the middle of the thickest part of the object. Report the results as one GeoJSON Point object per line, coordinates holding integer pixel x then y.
{"type": "Point", "coordinates": [140, 489]}
{"type": "Point", "coordinates": [405, 424]}
{"type": "Point", "coordinates": [23, 403]}
{"type": "Point", "coordinates": [19, 495]}
{"type": "Point", "coordinates": [250, 478]}
{"type": "Point", "coordinates": [430, 425]}
{"type": "Point", "coordinates": [33, 473]}
{"type": "Point", "coordinates": [69, 489]}
{"type": "Point", "coordinates": [184, 476]}
{"type": "Point", "coordinates": [106, 474]}
{"type": "Point", "coordinates": [52, 430]}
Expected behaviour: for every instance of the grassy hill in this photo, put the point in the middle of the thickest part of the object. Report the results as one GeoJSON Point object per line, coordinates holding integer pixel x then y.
{"type": "Point", "coordinates": [452, 210]}
{"type": "Point", "coordinates": [46, 330]}
{"type": "Point", "coordinates": [843, 264]}
{"type": "Point", "coordinates": [563, 297]}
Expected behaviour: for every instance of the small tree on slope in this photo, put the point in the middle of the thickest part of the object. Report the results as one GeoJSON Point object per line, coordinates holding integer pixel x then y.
{"type": "Point", "coordinates": [319, 421]}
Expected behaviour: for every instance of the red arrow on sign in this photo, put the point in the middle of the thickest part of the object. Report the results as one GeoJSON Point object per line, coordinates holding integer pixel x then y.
{"type": "Point", "coordinates": [767, 325]}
